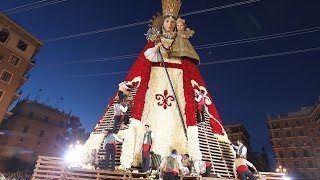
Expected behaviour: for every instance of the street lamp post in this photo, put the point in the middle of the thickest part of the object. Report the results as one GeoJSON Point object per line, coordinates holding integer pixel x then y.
{"type": "Point", "coordinates": [281, 169]}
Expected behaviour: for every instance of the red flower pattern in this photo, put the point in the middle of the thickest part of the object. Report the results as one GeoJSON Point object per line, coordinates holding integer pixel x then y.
{"type": "Point", "coordinates": [165, 99]}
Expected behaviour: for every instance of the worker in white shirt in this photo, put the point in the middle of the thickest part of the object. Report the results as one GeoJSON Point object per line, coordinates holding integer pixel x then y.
{"type": "Point", "coordinates": [109, 144]}
{"type": "Point", "coordinates": [123, 91]}
{"type": "Point", "coordinates": [241, 150]}
{"type": "Point", "coordinates": [120, 108]}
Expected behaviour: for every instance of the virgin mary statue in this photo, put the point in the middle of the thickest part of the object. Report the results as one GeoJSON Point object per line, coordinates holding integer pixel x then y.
{"type": "Point", "coordinates": [168, 91]}
{"type": "Point", "coordinates": [167, 78]}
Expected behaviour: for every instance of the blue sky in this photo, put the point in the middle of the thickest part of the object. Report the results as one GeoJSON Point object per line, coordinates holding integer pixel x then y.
{"type": "Point", "coordinates": [243, 91]}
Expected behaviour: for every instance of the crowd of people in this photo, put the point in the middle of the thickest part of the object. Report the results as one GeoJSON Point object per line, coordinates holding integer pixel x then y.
{"type": "Point", "coordinates": [14, 176]}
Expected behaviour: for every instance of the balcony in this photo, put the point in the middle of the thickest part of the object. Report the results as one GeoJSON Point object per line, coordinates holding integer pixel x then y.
{"type": "Point", "coordinates": [16, 96]}
{"type": "Point", "coordinates": [24, 79]}
{"type": "Point", "coordinates": [30, 64]}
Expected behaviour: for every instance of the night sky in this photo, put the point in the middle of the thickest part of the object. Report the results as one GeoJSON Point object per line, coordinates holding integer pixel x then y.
{"type": "Point", "coordinates": [243, 91]}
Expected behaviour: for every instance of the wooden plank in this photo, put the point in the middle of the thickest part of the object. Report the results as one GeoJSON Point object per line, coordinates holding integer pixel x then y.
{"type": "Point", "coordinates": [47, 171]}
{"type": "Point", "coordinates": [46, 176]}
{"type": "Point", "coordinates": [49, 167]}
{"type": "Point", "coordinates": [76, 178]}
{"type": "Point", "coordinates": [190, 177]}
{"type": "Point", "coordinates": [271, 173]}
{"type": "Point", "coordinates": [50, 157]}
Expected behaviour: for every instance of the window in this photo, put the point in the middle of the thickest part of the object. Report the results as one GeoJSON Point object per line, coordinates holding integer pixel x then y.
{"type": "Point", "coordinates": [277, 135]}
{"type": "Point", "coordinates": [301, 132]}
{"type": "Point", "coordinates": [310, 164]}
{"type": "Point", "coordinates": [314, 140]}
{"type": "Point", "coordinates": [4, 34]}
{"type": "Point", "coordinates": [291, 143]}
{"type": "Point", "coordinates": [281, 154]}
{"type": "Point", "coordinates": [38, 143]}
{"type": "Point", "coordinates": [288, 133]}
{"type": "Point", "coordinates": [306, 153]}
{"type": "Point", "coordinates": [298, 122]}
{"type": "Point", "coordinates": [22, 45]}
{"type": "Point", "coordinates": [274, 125]}
{"type": "Point", "coordinates": [6, 76]}
{"type": "Point", "coordinates": [286, 124]}
{"type": "Point", "coordinates": [1, 94]}
{"type": "Point", "coordinates": [14, 60]}
{"type": "Point", "coordinates": [41, 133]}
{"type": "Point", "coordinates": [25, 129]}
{"type": "Point", "coordinates": [296, 164]}
{"type": "Point", "coordinates": [234, 129]}
{"type": "Point", "coordinates": [294, 154]}
{"type": "Point", "coordinates": [311, 130]}
{"type": "Point", "coordinates": [21, 139]}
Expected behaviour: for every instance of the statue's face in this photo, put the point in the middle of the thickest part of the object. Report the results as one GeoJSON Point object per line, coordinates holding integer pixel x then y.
{"type": "Point", "coordinates": [169, 24]}
{"type": "Point", "coordinates": [181, 26]}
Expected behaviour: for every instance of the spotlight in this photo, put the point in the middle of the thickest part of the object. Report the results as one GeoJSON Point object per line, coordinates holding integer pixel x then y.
{"type": "Point", "coordinates": [286, 178]}
{"type": "Point", "coordinates": [73, 155]}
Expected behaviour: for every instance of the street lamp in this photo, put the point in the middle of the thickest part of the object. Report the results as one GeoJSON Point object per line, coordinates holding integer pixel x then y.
{"type": "Point", "coordinates": [281, 169]}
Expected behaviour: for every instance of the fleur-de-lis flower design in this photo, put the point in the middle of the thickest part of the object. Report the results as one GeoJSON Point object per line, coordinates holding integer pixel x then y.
{"type": "Point", "coordinates": [164, 99]}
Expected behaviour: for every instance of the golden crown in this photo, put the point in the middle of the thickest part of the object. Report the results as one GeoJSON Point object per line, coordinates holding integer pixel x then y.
{"type": "Point", "coordinates": [171, 7]}
{"type": "Point", "coordinates": [180, 20]}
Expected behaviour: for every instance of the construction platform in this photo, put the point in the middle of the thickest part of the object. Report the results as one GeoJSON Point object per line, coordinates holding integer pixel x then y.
{"type": "Point", "coordinates": [55, 168]}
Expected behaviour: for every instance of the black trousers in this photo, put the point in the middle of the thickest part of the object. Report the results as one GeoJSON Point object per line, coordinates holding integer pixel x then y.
{"type": "Point", "coordinates": [146, 156]}
{"type": "Point", "coordinates": [116, 123]}
{"type": "Point", "coordinates": [122, 97]}
{"type": "Point", "coordinates": [110, 153]}
{"type": "Point", "coordinates": [208, 171]}
{"type": "Point", "coordinates": [169, 176]}
{"type": "Point", "coordinates": [245, 175]}
{"type": "Point", "coordinates": [200, 115]}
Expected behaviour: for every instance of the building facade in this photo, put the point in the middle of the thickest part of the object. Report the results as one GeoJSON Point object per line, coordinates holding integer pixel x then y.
{"type": "Point", "coordinates": [34, 129]}
{"type": "Point", "coordinates": [17, 48]}
{"type": "Point", "coordinates": [238, 132]}
{"type": "Point", "coordinates": [295, 142]}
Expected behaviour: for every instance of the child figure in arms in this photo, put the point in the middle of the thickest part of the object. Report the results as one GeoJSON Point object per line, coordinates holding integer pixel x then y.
{"type": "Point", "coordinates": [184, 47]}
{"type": "Point", "coordinates": [183, 31]}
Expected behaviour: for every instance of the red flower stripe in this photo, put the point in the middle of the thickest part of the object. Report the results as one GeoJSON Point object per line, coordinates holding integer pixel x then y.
{"type": "Point", "coordinates": [191, 71]}
{"type": "Point", "coordinates": [142, 68]}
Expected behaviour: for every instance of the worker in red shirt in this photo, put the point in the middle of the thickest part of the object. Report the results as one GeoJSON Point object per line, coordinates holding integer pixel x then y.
{"type": "Point", "coordinates": [241, 167]}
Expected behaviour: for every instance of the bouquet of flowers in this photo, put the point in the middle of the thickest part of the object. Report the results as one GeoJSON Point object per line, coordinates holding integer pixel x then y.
{"type": "Point", "coordinates": [154, 174]}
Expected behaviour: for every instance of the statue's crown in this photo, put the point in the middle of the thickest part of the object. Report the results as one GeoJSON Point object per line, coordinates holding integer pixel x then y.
{"type": "Point", "coordinates": [171, 7]}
